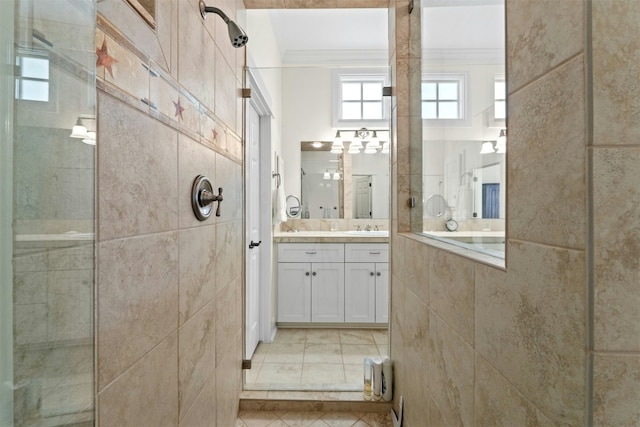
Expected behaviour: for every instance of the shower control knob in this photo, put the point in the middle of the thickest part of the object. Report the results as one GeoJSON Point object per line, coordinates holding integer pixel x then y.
{"type": "Point", "coordinates": [202, 196]}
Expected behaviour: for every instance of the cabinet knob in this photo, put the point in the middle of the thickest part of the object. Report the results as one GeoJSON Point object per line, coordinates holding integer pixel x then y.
{"type": "Point", "coordinates": [371, 273]}
{"type": "Point", "coordinates": [313, 274]}
{"type": "Point", "coordinates": [306, 274]}
{"type": "Point", "coordinates": [378, 274]}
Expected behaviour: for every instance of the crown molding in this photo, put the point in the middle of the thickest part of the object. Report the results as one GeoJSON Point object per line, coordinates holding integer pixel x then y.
{"type": "Point", "coordinates": [378, 57]}
{"type": "Point", "coordinates": [463, 56]}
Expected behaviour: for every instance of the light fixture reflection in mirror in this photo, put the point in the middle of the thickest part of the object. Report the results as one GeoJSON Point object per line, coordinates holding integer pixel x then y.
{"type": "Point", "coordinates": [332, 179]}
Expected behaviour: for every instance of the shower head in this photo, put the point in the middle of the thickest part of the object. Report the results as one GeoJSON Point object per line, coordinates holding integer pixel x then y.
{"type": "Point", "coordinates": [236, 34]}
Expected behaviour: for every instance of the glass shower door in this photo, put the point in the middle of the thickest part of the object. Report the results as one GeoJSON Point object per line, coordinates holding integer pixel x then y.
{"type": "Point", "coordinates": [47, 213]}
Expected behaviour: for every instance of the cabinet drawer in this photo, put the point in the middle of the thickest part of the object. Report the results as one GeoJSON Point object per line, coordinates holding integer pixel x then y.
{"type": "Point", "coordinates": [311, 252]}
{"type": "Point", "coordinates": [367, 252]}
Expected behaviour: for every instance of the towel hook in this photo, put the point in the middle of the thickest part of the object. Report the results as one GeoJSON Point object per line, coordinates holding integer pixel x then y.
{"type": "Point", "coordinates": [202, 198]}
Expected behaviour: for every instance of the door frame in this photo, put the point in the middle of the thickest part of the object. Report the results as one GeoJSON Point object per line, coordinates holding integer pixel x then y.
{"type": "Point", "coordinates": [260, 101]}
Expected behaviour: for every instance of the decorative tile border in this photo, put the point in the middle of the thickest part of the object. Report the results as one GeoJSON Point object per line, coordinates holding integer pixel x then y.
{"type": "Point", "coordinates": [129, 75]}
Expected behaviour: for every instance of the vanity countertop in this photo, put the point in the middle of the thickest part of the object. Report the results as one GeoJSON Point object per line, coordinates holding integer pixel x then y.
{"type": "Point", "coordinates": [331, 237]}
{"type": "Point", "coordinates": [453, 234]}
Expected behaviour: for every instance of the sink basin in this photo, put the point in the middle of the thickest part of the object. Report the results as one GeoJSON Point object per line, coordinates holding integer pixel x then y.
{"type": "Point", "coordinates": [379, 233]}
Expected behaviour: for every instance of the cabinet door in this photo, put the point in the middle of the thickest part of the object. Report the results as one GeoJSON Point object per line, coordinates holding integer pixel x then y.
{"type": "Point", "coordinates": [359, 289]}
{"type": "Point", "coordinates": [382, 292]}
{"type": "Point", "coordinates": [294, 292]}
{"type": "Point", "coordinates": [327, 292]}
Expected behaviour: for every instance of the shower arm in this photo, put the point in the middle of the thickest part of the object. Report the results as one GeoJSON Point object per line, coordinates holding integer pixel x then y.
{"type": "Point", "coordinates": [204, 9]}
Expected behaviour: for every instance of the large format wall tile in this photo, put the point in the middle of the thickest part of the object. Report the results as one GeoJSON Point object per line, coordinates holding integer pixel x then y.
{"type": "Point", "coordinates": [196, 355]}
{"type": "Point", "coordinates": [228, 314]}
{"type": "Point", "coordinates": [416, 357]}
{"type": "Point", "coordinates": [547, 152]}
{"type": "Point", "coordinates": [616, 65]}
{"type": "Point", "coordinates": [229, 177]}
{"type": "Point", "coordinates": [616, 384]}
{"type": "Point", "coordinates": [137, 299]}
{"type": "Point", "coordinates": [498, 403]}
{"type": "Point", "coordinates": [137, 172]}
{"type": "Point", "coordinates": [229, 383]}
{"type": "Point", "coordinates": [538, 40]}
{"type": "Point", "coordinates": [531, 327]}
{"type": "Point", "coordinates": [228, 253]}
{"type": "Point", "coordinates": [451, 373]}
{"type": "Point", "coordinates": [194, 159]}
{"type": "Point", "coordinates": [227, 93]}
{"type": "Point", "coordinates": [453, 292]}
{"type": "Point", "coordinates": [197, 269]}
{"type": "Point", "coordinates": [204, 408]}
{"type": "Point", "coordinates": [415, 260]}
{"type": "Point", "coordinates": [145, 394]}
{"type": "Point", "coordinates": [196, 66]}
{"type": "Point", "coordinates": [616, 197]}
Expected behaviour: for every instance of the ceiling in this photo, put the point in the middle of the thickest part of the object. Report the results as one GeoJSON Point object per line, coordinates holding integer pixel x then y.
{"type": "Point", "coordinates": [470, 24]}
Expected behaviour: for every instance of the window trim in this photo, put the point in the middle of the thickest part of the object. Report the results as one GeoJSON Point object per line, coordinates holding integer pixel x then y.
{"type": "Point", "coordinates": [462, 78]}
{"type": "Point", "coordinates": [358, 75]}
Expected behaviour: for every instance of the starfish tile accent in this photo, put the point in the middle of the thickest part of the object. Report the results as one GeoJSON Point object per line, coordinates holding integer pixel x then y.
{"type": "Point", "coordinates": [215, 134]}
{"type": "Point", "coordinates": [179, 109]}
{"type": "Point", "coordinates": [104, 59]}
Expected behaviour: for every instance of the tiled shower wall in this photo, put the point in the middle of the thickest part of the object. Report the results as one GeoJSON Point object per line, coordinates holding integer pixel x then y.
{"type": "Point", "coordinates": [552, 338]}
{"type": "Point", "coordinates": [169, 296]}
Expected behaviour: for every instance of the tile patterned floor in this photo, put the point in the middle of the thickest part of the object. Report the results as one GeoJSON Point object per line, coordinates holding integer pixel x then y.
{"type": "Point", "coordinates": [311, 419]}
{"type": "Point", "coordinates": [315, 359]}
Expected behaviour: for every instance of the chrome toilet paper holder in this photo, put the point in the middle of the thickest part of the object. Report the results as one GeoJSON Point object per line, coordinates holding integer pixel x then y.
{"type": "Point", "coordinates": [202, 198]}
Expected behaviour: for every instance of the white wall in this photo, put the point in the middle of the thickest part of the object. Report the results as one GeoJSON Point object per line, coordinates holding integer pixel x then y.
{"type": "Point", "coordinates": [306, 108]}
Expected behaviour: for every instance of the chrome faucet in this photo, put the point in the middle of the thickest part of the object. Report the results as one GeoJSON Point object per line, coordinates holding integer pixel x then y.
{"type": "Point", "coordinates": [377, 229]}
{"type": "Point", "coordinates": [358, 228]}
{"type": "Point", "coordinates": [368, 227]}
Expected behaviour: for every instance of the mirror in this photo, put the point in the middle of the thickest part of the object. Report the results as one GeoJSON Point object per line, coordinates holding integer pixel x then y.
{"type": "Point", "coordinates": [343, 185]}
{"type": "Point", "coordinates": [467, 184]}
{"type": "Point", "coordinates": [293, 206]}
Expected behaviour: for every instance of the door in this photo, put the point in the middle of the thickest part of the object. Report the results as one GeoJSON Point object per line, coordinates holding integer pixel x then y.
{"type": "Point", "coordinates": [252, 334]}
{"type": "Point", "coordinates": [294, 292]}
{"type": "Point", "coordinates": [490, 200]}
{"type": "Point", "coordinates": [382, 292]}
{"type": "Point", "coordinates": [327, 292]}
{"type": "Point", "coordinates": [359, 292]}
{"type": "Point", "coordinates": [363, 196]}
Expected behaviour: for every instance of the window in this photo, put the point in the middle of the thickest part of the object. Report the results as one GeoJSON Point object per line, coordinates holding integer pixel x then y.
{"type": "Point", "coordinates": [440, 99]}
{"type": "Point", "coordinates": [443, 99]}
{"type": "Point", "coordinates": [500, 98]}
{"type": "Point", "coordinates": [359, 100]}
{"type": "Point", "coordinates": [32, 82]}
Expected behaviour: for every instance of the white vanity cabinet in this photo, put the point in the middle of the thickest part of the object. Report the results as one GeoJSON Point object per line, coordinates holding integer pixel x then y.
{"type": "Point", "coordinates": [367, 282]}
{"type": "Point", "coordinates": [311, 282]}
{"type": "Point", "coordinates": [333, 282]}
